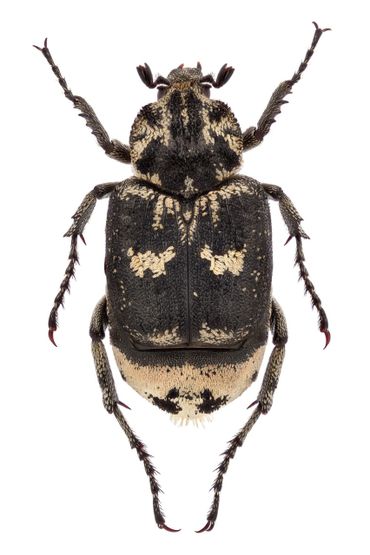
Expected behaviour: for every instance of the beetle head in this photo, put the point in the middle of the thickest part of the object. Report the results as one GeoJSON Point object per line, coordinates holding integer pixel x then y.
{"type": "Point", "coordinates": [183, 76]}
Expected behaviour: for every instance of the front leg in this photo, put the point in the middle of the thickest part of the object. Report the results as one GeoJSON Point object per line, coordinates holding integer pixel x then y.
{"type": "Point", "coordinates": [113, 148]}
{"type": "Point", "coordinates": [253, 136]}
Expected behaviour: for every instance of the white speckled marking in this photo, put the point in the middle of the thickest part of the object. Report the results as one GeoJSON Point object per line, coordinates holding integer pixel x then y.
{"type": "Point", "coordinates": [155, 263]}
{"type": "Point", "coordinates": [232, 261]}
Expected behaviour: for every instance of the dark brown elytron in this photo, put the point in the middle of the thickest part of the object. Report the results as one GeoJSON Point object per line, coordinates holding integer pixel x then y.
{"type": "Point", "coordinates": [188, 259]}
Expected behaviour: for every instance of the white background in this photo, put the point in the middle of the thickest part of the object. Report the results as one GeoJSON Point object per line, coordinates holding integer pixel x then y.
{"type": "Point", "coordinates": [70, 483]}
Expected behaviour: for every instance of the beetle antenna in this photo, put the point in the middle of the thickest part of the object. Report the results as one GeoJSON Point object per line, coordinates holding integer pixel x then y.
{"type": "Point", "coordinates": [146, 75]}
{"type": "Point", "coordinates": [222, 77]}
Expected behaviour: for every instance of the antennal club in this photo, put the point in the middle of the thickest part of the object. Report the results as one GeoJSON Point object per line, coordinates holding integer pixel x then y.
{"type": "Point", "coordinates": [222, 77]}
{"type": "Point", "coordinates": [146, 75]}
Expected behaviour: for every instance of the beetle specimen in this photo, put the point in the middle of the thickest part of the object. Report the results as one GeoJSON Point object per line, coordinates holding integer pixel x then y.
{"type": "Point", "coordinates": [188, 258]}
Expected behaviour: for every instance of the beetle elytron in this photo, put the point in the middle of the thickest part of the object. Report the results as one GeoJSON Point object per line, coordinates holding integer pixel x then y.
{"type": "Point", "coordinates": [188, 258]}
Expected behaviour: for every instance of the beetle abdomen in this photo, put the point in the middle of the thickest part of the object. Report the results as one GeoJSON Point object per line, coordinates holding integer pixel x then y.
{"type": "Point", "coordinates": [189, 384]}
{"type": "Point", "coordinates": [189, 276]}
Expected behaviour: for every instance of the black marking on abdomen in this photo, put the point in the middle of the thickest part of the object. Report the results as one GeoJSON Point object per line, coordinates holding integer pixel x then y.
{"type": "Point", "coordinates": [209, 403]}
{"type": "Point", "coordinates": [167, 403]}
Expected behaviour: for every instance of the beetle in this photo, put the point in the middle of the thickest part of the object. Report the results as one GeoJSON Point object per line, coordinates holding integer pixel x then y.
{"type": "Point", "coordinates": [188, 258]}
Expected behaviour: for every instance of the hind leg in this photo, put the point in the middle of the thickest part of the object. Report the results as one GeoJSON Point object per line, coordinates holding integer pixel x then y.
{"type": "Point", "coordinates": [99, 322]}
{"type": "Point", "coordinates": [263, 402]}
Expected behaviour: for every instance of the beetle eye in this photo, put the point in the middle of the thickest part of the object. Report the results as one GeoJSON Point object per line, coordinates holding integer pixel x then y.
{"type": "Point", "coordinates": [161, 91]}
{"type": "Point", "coordinates": [206, 90]}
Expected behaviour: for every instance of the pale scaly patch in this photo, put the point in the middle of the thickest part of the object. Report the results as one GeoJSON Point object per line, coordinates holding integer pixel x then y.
{"type": "Point", "coordinates": [222, 173]}
{"type": "Point", "coordinates": [214, 206]}
{"type": "Point", "coordinates": [158, 213]}
{"type": "Point", "coordinates": [232, 261]}
{"type": "Point", "coordinates": [189, 187]}
{"type": "Point", "coordinates": [235, 189]}
{"type": "Point", "coordinates": [182, 227]}
{"type": "Point", "coordinates": [148, 133]}
{"type": "Point", "coordinates": [184, 111]}
{"type": "Point", "coordinates": [155, 263]}
{"type": "Point", "coordinates": [194, 222]}
{"type": "Point", "coordinates": [164, 204]}
{"type": "Point", "coordinates": [169, 204]}
{"type": "Point", "coordinates": [151, 177]}
{"type": "Point", "coordinates": [126, 191]}
{"type": "Point", "coordinates": [224, 193]}
{"type": "Point", "coordinates": [187, 215]}
{"type": "Point", "coordinates": [222, 128]}
{"type": "Point", "coordinates": [163, 338]}
{"type": "Point", "coordinates": [215, 335]}
{"type": "Point", "coordinates": [234, 142]}
{"type": "Point", "coordinates": [203, 205]}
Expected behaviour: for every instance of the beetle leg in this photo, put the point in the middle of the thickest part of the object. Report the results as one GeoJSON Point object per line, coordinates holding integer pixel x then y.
{"type": "Point", "coordinates": [264, 403]}
{"type": "Point", "coordinates": [253, 136]}
{"type": "Point", "coordinates": [64, 286]}
{"type": "Point", "coordinates": [236, 442]}
{"type": "Point", "coordinates": [80, 219]}
{"type": "Point", "coordinates": [309, 287]}
{"type": "Point", "coordinates": [84, 211]}
{"type": "Point", "coordinates": [113, 148]}
{"type": "Point", "coordinates": [290, 214]}
{"type": "Point", "coordinates": [272, 374]}
{"type": "Point", "coordinates": [292, 220]}
{"type": "Point", "coordinates": [99, 322]}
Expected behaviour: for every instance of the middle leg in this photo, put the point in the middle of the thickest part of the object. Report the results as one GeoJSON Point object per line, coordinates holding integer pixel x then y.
{"type": "Point", "coordinates": [292, 220]}
{"type": "Point", "coordinates": [80, 219]}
